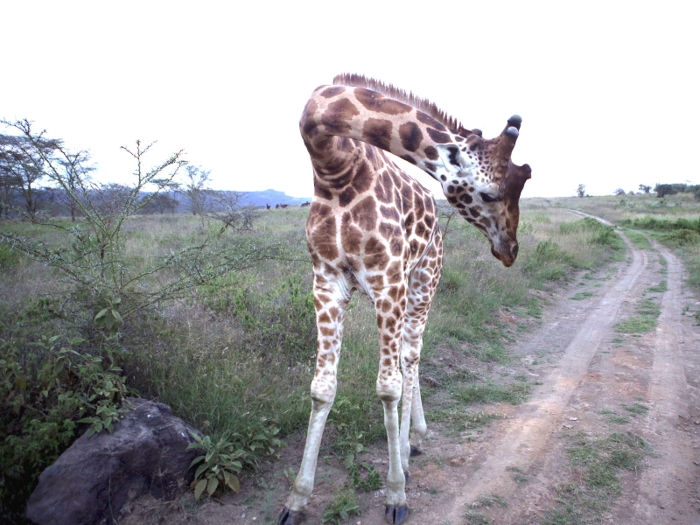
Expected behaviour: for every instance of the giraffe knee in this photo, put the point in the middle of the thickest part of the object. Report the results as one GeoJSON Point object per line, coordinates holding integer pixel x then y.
{"type": "Point", "coordinates": [389, 392]}
{"type": "Point", "coordinates": [322, 393]}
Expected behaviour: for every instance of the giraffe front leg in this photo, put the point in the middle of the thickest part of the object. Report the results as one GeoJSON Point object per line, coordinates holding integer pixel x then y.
{"type": "Point", "coordinates": [330, 314]}
{"type": "Point", "coordinates": [389, 391]}
{"type": "Point", "coordinates": [322, 397]}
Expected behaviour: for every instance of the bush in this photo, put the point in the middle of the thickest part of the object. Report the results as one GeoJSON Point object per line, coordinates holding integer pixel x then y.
{"type": "Point", "coordinates": [50, 389]}
{"type": "Point", "coordinates": [681, 237]}
{"type": "Point", "coordinates": [652, 223]}
{"type": "Point", "coordinates": [548, 261]}
{"type": "Point", "coordinates": [8, 258]}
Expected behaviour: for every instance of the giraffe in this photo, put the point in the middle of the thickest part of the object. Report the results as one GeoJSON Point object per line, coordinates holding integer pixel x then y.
{"type": "Point", "coordinates": [374, 229]}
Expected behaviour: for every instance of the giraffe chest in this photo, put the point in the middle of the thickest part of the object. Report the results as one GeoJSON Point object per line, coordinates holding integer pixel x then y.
{"type": "Point", "coordinates": [368, 245]}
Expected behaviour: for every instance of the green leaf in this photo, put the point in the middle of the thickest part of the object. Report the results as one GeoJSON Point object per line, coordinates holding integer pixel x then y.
{"type": "Point", "coordinates": [101, 314]}
{"type": "Point", "coordinates": [195, 460]}
{"type": "Point", "coordinates": [212, 485]}
{"type": "Point", "coordinates": [117, 317]}
{"type": "Point", "coordinates": [234, 484]}
{"type": "Point", "coordinates": [201, 469]}
{"type": "Point", "coordinates": [199, 488]}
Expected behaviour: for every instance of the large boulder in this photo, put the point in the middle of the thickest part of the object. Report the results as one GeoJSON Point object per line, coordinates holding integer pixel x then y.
{"type": "Point", "coordinates": [98, 477]}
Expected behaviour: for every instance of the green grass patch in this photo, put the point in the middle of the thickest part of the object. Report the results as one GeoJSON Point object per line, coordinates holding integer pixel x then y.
{"type": "Point", "coordinates": [639, 240]}
{"type": "Point", "coordinates": [660, 288]}
{"type": "Point", "coordinates": [618, 420]}
{"type": "Point", "coordinates": [597, 463]}
{"type": "Point", "coordinates": [473, 517]}
{"type": "Point", "coordinates": [581, 295]}
{"type": "Point", "coordinates": [460, 420]}
{"type": "Point", "coordinates": [514, 393]}
{"type": "Point", "coordinates": [636, 325]}
{"type": "Point", "coordinates": [643, 323]}
{"type": "Point", "coordinates": [636, 409]}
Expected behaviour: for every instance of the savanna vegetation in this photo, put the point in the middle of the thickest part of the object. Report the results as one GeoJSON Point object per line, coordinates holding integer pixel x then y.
{"type": "Point", "coordinates": [232, 352]}
{"type": "Point", "coordinates": [106, 302]}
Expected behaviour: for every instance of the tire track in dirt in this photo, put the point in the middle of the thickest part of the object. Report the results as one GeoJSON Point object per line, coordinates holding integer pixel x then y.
{"type": "Point", "coordinates": [665, 487]}
{"type": "Point", "coordinates": [525, 438]}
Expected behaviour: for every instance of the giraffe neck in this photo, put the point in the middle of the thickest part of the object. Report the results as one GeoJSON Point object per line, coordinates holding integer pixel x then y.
{"type": "Point", "coordinates": [336, 116]}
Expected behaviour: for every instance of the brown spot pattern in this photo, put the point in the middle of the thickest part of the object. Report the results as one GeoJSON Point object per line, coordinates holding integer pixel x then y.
{"type": "Point", "coordinates": [378, 132]}
{"type": "Point", "coordinates": [411, 136]}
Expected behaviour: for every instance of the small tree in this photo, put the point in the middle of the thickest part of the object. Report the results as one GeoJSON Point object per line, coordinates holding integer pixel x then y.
{"type": "Point", "coordinates": [644, 189]}
{"type": "Point", "coordinates": [581, 190]}
{"type": "Point", "coordinates": [619, 191]}
{"type": "Point", "coordinates": [662, 190]}
{"type": "Point", "coordinates": [230, 209]}
{"type": "Point", "coordinates": [196, 189]}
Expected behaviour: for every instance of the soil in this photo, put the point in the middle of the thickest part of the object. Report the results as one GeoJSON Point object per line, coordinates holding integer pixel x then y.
{"type": "Point", "coordinates": [582, 371]}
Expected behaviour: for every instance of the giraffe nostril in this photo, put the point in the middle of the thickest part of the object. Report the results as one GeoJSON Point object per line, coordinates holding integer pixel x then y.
{"type": "Point", "coordinates": [514, 250]}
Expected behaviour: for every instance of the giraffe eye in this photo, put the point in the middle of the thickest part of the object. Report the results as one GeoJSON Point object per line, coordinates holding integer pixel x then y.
{"type": "Point", "coordinates": [488, 198]}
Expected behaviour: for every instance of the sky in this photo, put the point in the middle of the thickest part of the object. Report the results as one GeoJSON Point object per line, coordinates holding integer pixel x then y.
{"type": "Point", "coordinates": [608, 90]}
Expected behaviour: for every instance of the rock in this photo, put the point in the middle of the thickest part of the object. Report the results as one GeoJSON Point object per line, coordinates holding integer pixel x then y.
{"type": "Point", "coordinates": [97, 479]}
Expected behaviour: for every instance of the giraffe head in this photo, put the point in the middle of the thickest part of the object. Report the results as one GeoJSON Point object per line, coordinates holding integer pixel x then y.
{"type": "Point", "coordinates": [484, 184]}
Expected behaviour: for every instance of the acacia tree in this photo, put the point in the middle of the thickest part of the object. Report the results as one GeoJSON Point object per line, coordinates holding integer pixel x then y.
{"type": "Point", "coordinates": [22, 164]}
{"type": "Point", "coordinates": [9, 186]}
{"type": "Point", "coordinates": [196, 189]}
{"type": "Point", "coordinates": [581, 190]}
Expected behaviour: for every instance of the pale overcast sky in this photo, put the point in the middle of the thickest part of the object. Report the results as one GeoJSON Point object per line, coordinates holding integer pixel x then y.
{"type": "Point", "coordinates": [608, 90]}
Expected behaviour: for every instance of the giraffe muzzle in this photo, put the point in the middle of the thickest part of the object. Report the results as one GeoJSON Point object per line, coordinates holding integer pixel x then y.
{"type": "Point", "coordinates": [507, 253]}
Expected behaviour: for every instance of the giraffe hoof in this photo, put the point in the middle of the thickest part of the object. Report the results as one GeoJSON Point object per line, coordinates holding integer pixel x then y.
{"type": "Point", "coordinates": [396, 515]}
{"type": "Point", "coordinates": [407, 476]}
{"type": "Point", "coordinates": [415, 451]}
{"type": "Point", "coordinates": [289, 517]}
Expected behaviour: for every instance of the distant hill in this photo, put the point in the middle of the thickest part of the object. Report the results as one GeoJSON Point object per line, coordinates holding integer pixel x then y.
{"type": "Point", "coordinates": [272, 197]}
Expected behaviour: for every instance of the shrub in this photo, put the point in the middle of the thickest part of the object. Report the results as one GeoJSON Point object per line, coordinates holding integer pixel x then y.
{"type": "Point", "coordinates": [48, 387]}
{"type": "Point", "coordinates": [549, 261]}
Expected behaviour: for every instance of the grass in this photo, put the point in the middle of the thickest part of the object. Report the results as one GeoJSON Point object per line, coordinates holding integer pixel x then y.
{"type": "Point", "coordinates": [597, 463]}
{"type": "Point", "coordinates": [636, 409]}
{"type": "Point", "coordinates": [639, 240]}
{"type": "Point", "coordinates": [460, 420]}
{"type": "Point", "coordinates": [581, 295]}
{"type": "Point", "coordinates": [643, 323]}
{"type": "Point", "coordinates": [660, 288]}
{"type": "Point", "coordinates": [513, 393]}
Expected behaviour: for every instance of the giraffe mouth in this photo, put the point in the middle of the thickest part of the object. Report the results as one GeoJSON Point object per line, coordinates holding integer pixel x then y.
{"type": "Point", "coordinates": [507, 254]}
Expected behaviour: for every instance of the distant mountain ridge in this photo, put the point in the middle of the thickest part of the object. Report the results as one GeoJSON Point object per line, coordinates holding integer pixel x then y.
{"type": "Point", "coordinates": [272, 198]}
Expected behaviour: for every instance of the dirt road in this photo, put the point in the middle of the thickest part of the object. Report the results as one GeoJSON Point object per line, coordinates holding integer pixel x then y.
{"type": "Point", "coordinates": [522, 462]}
{"type": "Point", "coordinates": [602, 387]}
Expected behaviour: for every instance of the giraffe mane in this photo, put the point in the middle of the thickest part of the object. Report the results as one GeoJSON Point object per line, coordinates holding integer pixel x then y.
{"type": "Point", "coordinates": [422, 104]}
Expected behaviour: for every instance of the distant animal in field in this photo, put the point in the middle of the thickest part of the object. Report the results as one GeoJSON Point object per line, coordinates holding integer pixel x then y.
{"type": "Point", "coordinates": [374, 229]}
{"type": "Point", "coordinates": [307, 203]}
